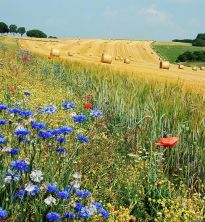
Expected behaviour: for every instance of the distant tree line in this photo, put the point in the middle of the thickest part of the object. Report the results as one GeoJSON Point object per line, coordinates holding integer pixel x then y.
{"type": "Point", "coordinates": [198, 41]}
{"type": "Point", "coordinates": [183, 40]}
{"type": "Point", "coordinates": [13, 29]}
{"type": "Point", "coordinates": [192, 56]}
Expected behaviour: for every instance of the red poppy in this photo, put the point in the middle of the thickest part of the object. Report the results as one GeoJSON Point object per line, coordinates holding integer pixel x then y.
{"type": "Point", "coordinates": [11, 89]}
{"type": "Point", "coordinates": [170, 141]}
{"type": "Point", "coordinates": [88, 106]}
{"type": "Point", "coordinates": [25, 59]}
{"type": "Point", "coordinates": [89, 98]}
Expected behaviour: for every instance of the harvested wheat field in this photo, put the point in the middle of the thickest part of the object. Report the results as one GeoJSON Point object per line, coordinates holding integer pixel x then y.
{"type": "Point", "coordinates": [143, 59]}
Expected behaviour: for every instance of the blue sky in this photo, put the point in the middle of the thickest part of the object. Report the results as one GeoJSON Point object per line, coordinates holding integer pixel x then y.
{"type": "Point", "coordinates": [130, 19]}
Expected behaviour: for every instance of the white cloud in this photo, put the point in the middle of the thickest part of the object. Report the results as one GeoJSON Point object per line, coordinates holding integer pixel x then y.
{"type": "Point", "coordinates": [154, 15]}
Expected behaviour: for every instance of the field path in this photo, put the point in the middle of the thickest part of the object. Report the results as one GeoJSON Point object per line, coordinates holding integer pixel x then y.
{"type": "Point", "coordinates": [144, 61]}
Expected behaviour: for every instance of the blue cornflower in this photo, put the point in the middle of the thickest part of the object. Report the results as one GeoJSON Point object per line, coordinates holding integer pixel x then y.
{"type": "Point", "coordinates": [21, 193]}
{"type": "Point", "coordinates": [96, 113]}
{"type": "Point", "coordinates": [79, 193]}
{"type": "Point", "coordinates": [83, 214]}
{"type": "Point", "coordinates": [86, 193]}
{"type": "Point", "coordinates": [37, 125]}
{"type": "Point", "coordinates": [52, 188]}
{"type": "Point", "coordinates": [69, 215]}
{"type": "Point", "coordinates": [98, 205]}
{"type": "Point", "coordinates": [3, 107]}
{"type": "Point", "coordinates": [2, 122]}
{"type": "Point", "coordinates": [61, 139]}
{"type": "Point", "coordinates": [49, 109]}
{"type": "Point", "coordinates": [1, 135]}
{"type": "Point", "coordinates": [83, 193]}
{"type": "Point", "coordinates": [61, 150]}
{"type": "Point", "coordinates": [3, 214]}
{"type": "Point", "coordinates": [66, 130]}
{"type": "Point", "coordinates": [13, 111]}
{"type": "Point", "coordinates": [14, 151]}
{"type": "Point", "coordinates": [78, 207]}
{"type": "Point", "coordinates": [82, 138]}
{"type": "Point", "coordinates": [45, 134]}
{"type": "Point", "coordinates": [55, 132]}
{"type": "Point", "coordinates": [79, 118]}
{"type": "Point", "coordinates": [68, 188]}
{"type": "Point", "coordinates": [2, 140]}
{"type": "Point", "coordinates": [21, 131]}
{"type": "Point", "coordinates": [87, 212]}
{"type": "Point", "coordinates": [68, 105]}
{"type": "Point", "coordinates": [12, 175]}
{"type": "Point", "coordinates": [25, 113]}
{"type": "Point", "coordinates": [27, 93]}
{"type": "Point", "coordinates": [105, 214]}
{"type": "Point", "coordinates": [20, 165]}
{"type": "Point", "coordinates": [63, 194]}
{"type": "Point", "coordinates": [32, 190]}
{"type": "Point", "coordinates": [53, 216]}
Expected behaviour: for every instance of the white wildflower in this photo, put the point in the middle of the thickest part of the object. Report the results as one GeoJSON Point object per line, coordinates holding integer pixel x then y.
{"type": "Point", "coordinates": [77, 175]}
{"type": "Point", "coordinates": [29, 187]}
{"type": "Point", "coordinates": [7, 179]}
{"type": "Point", "coordinates": [72, 114]}
{"type": "Point", "coordinates": [76, 184]}
{"type": "Point", "coordinates": [50, 200]}
{"type": "Point", "coordinates": [36, 176]}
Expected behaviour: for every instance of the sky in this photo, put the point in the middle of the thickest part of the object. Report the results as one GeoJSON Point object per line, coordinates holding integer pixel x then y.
{"type": "Point", "coordinates": [113, 19]}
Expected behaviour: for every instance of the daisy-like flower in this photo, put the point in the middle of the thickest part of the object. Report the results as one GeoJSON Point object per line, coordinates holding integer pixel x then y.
{"type": "Point", "coordinates": [32, 189]}
{"type": "Point", "coordinates": [73, 114]}
{"type": "Point", "coordinates": [76, 184]}
{"type": "Point", "coordinates": [12, 176]}
{"type": "Point", "coordinates": [6, 149]}
{"type": "Point", "coordinates": [36, 176]}
{"type": "Point", "coordinates": [77, 176]}
{"type": "Point", "coordinates": [50, 200]}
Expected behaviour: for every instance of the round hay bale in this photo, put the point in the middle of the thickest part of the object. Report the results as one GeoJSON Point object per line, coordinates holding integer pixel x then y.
{"type": "Point", "coordinates": [70, 54]}
{"type": "Point", "coordinates": [181, 66]}
{"type": "Point", "coordinates": [117, 58]}
{"type": "Point", "coordinates": [55, 52]}
{"type": "Point", "coordinates": [121, 59]}
{"type": "Point", "coordinates": [164, 65]}
{"type": "Point", "coordinates": [202, 68]}
{"type": "Point", "coordinates": [127, 61]}
{"type": "Point", "coordinates": [194, 68]}
{"type": "Point", "coordinates": [106, 58]}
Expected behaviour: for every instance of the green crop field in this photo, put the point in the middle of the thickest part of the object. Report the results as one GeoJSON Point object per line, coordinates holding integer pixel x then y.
{"type": "Point", "coordinates": [170, 51]}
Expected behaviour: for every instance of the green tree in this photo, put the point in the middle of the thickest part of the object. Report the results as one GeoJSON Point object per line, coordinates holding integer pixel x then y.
{"type": "Point", "coordinates": [13, 29]}
{"type": "Point", "coordinates": [21, 30]}
{"type": "Point", "coordinates": [36, 33]}
{"type": "Point", "coordinates": [3, 28]}
{"type": "Point", "coordinates": [201, 36]}
{"type": "Point", "coordinates": [198, 42]}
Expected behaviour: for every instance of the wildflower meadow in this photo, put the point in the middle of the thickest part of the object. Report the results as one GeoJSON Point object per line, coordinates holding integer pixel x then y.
{"type": "Point", "coordinates": [82, 143]}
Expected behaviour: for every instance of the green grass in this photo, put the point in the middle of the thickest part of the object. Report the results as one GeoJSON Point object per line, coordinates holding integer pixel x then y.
{"type": "Point", "coordinates": [171, 51]}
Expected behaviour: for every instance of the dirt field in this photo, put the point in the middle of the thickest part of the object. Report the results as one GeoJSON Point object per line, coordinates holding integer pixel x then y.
{"type": "Point", "coordinates": [144, 60]}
